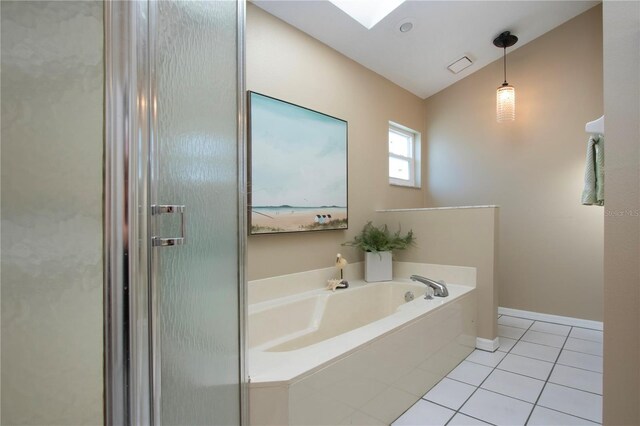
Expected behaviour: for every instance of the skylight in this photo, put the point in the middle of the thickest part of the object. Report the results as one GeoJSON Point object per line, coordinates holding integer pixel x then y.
{"type": "Point", "coordinates": [367, 12]}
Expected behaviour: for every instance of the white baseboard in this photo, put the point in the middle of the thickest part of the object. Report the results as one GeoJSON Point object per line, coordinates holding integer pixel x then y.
{"type": "Point", "coordinates": [487, 345]}
{"type": "Point", "coordinates": [575, 322]}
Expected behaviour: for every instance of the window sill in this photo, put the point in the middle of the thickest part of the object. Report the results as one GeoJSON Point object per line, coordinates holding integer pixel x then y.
{"type": "Point", "coordinates": [401, 185]}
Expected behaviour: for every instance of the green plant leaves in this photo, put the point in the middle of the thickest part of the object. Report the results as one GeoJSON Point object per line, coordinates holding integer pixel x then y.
{"type": "Point", "coordinates": [375, 239]}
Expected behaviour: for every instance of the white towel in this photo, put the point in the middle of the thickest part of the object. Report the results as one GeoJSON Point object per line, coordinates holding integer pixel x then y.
{"type": "Point", "coordinates": [593, 192]}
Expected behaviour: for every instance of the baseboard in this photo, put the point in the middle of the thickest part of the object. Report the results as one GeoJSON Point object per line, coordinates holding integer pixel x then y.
{"type": "Point", "coordinates": [575, 322]}
{"type": "Point", "coordinates": [487, 345]}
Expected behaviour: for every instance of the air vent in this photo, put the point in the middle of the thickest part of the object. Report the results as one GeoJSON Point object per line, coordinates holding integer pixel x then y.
{"type": "Point", "coordinates": [460, 64]}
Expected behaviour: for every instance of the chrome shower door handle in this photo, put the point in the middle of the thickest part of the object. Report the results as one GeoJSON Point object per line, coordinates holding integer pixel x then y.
{"type": "Point", "coordinates": [170, 209]}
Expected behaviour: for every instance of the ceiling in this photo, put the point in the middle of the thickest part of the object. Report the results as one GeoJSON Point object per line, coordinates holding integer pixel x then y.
{"type": "Point", "coordinates": [443, 31]}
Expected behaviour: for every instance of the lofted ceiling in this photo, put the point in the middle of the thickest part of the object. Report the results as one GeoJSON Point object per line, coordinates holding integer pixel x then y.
{"type": "Point", "coordinates": [443, 31]}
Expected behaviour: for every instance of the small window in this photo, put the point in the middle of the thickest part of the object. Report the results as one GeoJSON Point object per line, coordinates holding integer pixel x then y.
{"type": "Point", "coordinates": [404, 156]}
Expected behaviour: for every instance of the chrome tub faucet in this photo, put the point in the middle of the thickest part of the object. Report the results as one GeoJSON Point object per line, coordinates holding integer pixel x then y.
{"type": "Point", "coordinates": [439, 287]}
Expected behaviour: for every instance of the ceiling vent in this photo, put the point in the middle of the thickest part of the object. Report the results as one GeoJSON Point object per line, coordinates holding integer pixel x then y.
{"type": "Point", "coordinates": [460, 64]}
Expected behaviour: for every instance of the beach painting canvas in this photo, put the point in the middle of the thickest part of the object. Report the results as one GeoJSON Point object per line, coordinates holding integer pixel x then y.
{"type": "Point", "coordinates": [298, 168]}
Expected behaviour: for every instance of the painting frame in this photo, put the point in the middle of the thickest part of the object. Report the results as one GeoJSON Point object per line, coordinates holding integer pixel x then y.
{"type": "Point", "coordinates": [273, 214]}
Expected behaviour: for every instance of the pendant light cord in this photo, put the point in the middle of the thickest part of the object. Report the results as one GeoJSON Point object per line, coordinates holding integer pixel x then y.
{"type": "Point", "coordinates": [505, 65]}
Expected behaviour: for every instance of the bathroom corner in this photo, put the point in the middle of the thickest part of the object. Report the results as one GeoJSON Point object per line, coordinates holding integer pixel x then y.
{"type": "Point", "coordinates": [465, 236]}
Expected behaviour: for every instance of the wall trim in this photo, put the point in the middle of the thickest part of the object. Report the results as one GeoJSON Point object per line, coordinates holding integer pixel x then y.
{"type": "Point", "coordinates": [487, 344]}
{"type": "Point", "coordinates": [558, 319]}
{"type": "Point", "coordinates": [419, 209]}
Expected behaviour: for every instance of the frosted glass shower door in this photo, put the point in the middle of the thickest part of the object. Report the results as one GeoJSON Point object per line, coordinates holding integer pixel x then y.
{"type": "Point", "coordinates": [195, 165]}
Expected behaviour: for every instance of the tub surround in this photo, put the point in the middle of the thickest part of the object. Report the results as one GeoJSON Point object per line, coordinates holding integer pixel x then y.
{"type": "Point", "coordinates": [300, 282]}
{"type": "Point", "coordinates": [279, 327]}
{"type": "Point", "coordinates": [291, 356]}
{"type": "Point", "coordinates": [268, 289]}
{"type": "Point", "coordinates": [363, 351]}
{"type": "Point", "coordinates": [466, 235]}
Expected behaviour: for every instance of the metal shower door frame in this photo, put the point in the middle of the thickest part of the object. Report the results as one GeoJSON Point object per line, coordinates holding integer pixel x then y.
{"type": "Point", "coordinates": [131, 354]}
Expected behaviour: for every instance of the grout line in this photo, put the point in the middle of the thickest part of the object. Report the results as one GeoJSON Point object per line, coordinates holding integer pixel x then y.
{"type": "Point", "coordinates": [460, 381]}
{"type": "Point", "coordinates": [423, 396]}
{"type": "Point", "coordinates": [556, 323]}
{"type": "Point", "coordinates": [515, 326]}
{"type": "Point", "coordinates": [511, 396]}
{"type": "Point", "coordinates": [572, 415]}
{"type": "Point", "coordinates": [439, 381]}
{"type": "Point", "coordinates": [485, 379]}
{"type": "Point", "coordinates": [587, 328]}
{"type": "Point", "coordinates": [439, 405]}
{"type": "Point", "coordinates": [543, 360]}
{"type": "Point", "coordinates": [578, 368]}
{"type": "Point", "coordinates": [454, 412]}
{"type": "Point", "coordinates": [537, 359]}
{"type": "Point", "coordinates": [484, 365]}
{"type": "Point", "coordinates": [520, 374]}
{"type": "Point", "coordinates": [571, 387]}
{"type": "Point", "coordinates": [524, 356]}
{"type": "Point", "coordinates": [548, 322]}
{"type": "Point", "coordinates": [549, 376]}
{"type": "Point", "coordinates": [554, 363]}
{"type": "Point", "coordinates": [467, 415]}
{"type": "Point", "coordinates": [568, 414]}
{"type": "Point", "coordinates": [587, 340]}
{"type": "Point", "coordinates": [586, 353]}
{"type": "Point", "coordinates": [542, 344]}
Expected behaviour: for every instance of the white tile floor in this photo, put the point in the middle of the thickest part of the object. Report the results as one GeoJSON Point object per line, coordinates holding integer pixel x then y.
{"type": "Point", "coordinates": [543, 374]}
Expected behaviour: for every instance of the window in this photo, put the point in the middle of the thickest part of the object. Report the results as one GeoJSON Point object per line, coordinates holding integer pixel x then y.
{"type": "Point", "coordinates": [404, 156]}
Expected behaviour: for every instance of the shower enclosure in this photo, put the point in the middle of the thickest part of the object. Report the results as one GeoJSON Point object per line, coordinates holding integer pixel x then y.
{"type": "Point", "coordinates": [125, 118]}
{"type": "Point", "coordinates": [174, 98]}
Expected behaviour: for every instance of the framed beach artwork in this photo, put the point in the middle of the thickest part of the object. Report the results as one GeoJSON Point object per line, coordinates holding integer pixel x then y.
{"type": "Point", "coordinates": [297, 168]}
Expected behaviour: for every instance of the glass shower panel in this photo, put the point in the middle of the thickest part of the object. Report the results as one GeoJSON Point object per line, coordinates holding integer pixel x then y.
{"type": "Point", "coordinates": [52, 212]}
{"type": "Point", "coordinates": [196, 154]}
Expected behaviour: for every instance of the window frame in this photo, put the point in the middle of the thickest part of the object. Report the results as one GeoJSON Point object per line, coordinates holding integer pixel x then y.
{"type": "Point", "coordinates": [414, 159]}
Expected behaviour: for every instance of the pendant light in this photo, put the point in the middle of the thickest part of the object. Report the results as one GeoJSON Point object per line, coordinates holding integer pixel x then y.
{"type": "Point", "coordinates": [506, 94]}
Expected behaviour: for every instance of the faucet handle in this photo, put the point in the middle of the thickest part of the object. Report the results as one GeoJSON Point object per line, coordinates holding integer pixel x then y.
{"type": "Point", "coordinates": [429, 294]}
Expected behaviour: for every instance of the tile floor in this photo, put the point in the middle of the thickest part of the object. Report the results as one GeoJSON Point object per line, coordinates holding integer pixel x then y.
{"type": "Point", "coordinates": [543, 374]}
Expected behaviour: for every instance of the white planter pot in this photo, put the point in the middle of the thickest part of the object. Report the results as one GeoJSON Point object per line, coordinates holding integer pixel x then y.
{"type": "Point", "coordinates": [377, 266]}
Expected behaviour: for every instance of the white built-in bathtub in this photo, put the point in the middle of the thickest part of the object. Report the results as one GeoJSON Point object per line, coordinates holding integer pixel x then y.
{"type": "Point", "coordinates": [357, 356]}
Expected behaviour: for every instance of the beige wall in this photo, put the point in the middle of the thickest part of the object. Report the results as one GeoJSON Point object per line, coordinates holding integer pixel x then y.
{"type": "Point", "coordinates": [52, 144]}
{"type": "Point", "coordinates": [287, 64]}
{"type": "Point", "coordinates": [551, 247]}
{"type": "Point", "coordinates": [622, 220]}
{"type": "Point", "coordinates": [464, 237]}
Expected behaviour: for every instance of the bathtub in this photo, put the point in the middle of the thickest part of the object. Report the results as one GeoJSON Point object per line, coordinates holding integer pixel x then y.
{"type": "Point", "coordinates": [357, 356]}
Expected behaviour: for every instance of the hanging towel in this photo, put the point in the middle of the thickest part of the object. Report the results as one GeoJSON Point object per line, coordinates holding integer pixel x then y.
{"type": "Point", "coordinates": [593, 192]}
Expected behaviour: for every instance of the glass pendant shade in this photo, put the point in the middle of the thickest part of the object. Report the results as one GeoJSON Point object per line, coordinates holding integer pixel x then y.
{"type": "Point", "coordinates": [505, 103]}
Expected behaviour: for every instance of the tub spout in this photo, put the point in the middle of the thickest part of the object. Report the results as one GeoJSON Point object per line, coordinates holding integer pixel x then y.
{"type": "Point", "coordinates": [439, 287]}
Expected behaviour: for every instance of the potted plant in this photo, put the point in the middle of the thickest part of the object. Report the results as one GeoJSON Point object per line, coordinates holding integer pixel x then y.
{"type": "Point", "coordinates": [378, 243]}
